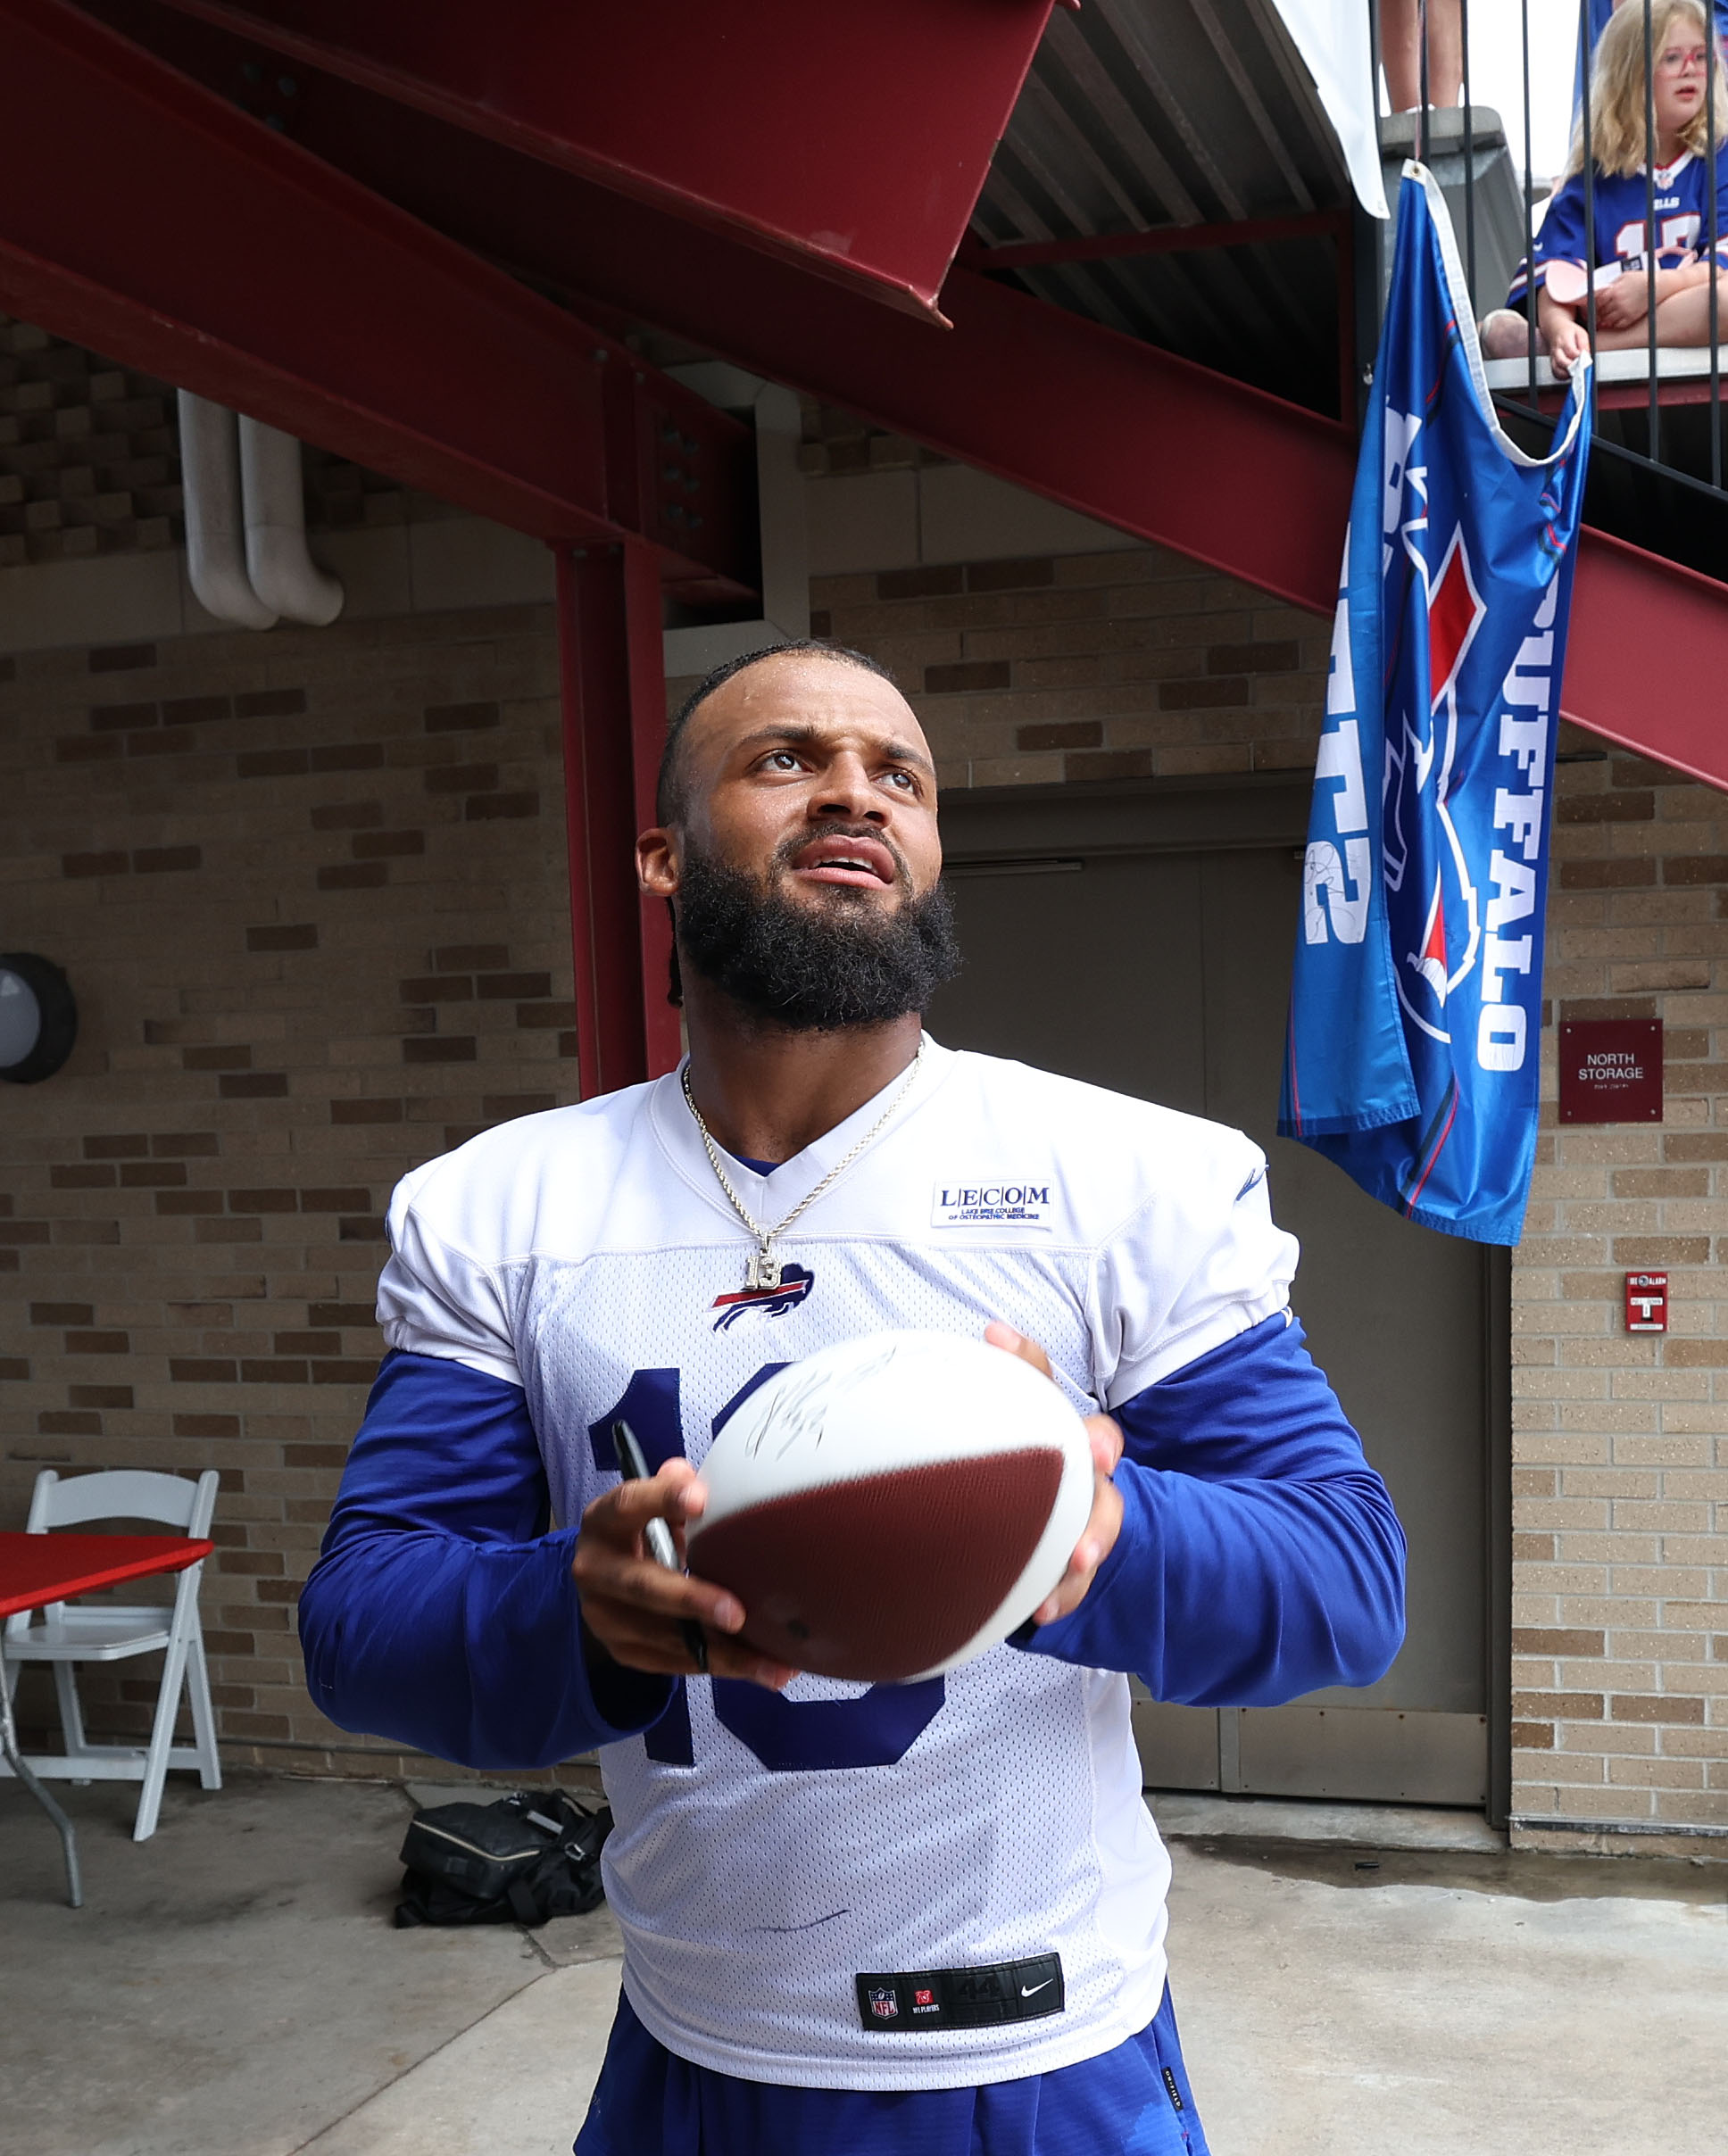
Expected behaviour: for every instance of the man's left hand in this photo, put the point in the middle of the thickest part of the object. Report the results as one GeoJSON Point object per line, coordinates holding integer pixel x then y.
{"type": "Point", "coordinates": [1101, 1530]}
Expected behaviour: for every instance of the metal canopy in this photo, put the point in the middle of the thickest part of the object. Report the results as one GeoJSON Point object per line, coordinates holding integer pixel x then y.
{"type": "Point", "coordinates": [850, 137]}
{"type": "Point", "coordinates": [1155, 115]}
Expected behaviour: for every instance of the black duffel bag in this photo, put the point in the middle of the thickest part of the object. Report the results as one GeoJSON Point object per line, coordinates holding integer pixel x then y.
{"type": "Point", "coordinates": [525, 1858]}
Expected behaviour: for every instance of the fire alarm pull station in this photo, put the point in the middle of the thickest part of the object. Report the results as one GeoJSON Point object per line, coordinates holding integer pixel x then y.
{"type": "Point", "coordinates": [1647, 1302]}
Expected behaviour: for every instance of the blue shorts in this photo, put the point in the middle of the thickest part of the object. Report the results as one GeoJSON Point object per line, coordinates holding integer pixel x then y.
{"type": "Point", "coordinates": [1133, 2101]}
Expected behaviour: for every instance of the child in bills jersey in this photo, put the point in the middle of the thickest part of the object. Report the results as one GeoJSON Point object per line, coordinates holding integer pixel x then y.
{"type": "Point", "coordinates": [1614, 253]}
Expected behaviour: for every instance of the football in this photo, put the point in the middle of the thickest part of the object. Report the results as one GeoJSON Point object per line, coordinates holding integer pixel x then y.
{"type": "Point", "coordinates": [894, 1507]}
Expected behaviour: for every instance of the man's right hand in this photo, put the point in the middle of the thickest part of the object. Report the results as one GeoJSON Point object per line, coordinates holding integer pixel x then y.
{"type": "Point", "coordinates": [635, 1608]}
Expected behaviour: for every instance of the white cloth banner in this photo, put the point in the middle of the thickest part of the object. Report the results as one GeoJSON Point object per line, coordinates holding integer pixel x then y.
{"type": "Point", "coordinates": [1332, 36]}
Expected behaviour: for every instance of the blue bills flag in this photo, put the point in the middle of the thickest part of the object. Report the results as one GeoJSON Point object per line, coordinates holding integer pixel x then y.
{"type": "Point", "coordinates": [1416, 1004]}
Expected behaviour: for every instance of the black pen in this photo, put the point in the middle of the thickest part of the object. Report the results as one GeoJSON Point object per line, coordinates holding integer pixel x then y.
{"type": "Point", "coordinates": [633, 1465]}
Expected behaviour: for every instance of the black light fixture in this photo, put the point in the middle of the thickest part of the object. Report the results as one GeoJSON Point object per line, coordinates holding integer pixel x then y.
{"type": "Point", "coordinates": [38, 1017]}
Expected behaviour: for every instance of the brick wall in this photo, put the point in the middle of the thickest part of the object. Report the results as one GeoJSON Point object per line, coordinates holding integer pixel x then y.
{"type": "Point", "coordinates": [89, 460]}
{"type": "Point", "coordinates": [1131, 664]}
{"type": "Point", "coordinates": [1621, 1439]}
{"type": "Point", "coordinates": [1136, 664]}
{"type": "Point", "coordinates": [311, 891]}
{"type": "Point", "coordinates": [290, 878]}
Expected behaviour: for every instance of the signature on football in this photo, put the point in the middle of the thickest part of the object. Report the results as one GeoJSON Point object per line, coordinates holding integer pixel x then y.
{"type": "Point", "coordinates": [800, 1414]}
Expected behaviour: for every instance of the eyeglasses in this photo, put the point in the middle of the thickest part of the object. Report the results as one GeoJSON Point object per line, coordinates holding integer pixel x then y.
{"type": "Point", "coordinates": [1681, 60]}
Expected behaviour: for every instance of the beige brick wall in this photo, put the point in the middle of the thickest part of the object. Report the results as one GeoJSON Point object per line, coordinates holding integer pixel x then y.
{"type": "Point", "coordinates": [89, 460]}
{"type": "Point", "coordinates": [1621, 1439]}
{"type": "Point", "coordinates": [311, 891]}
{"type": "Point", "coordinates": [289, 877]}
{"type": "Point", "coordinates": [1136, 664]}
{"type": "Point", "coordinates": [1131, 664]}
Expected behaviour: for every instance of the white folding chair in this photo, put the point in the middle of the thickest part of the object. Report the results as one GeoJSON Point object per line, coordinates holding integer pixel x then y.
{"type": "Point", "coordinates": [68, 1632]}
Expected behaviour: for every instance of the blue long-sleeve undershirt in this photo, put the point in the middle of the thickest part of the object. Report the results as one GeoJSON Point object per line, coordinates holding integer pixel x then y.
{"type": "Point", "coordinates": [1259, 1558]}
{"type": "Point", "coordinates": [441, 1612]}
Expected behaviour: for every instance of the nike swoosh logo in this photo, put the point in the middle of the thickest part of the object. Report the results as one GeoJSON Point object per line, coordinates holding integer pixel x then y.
{"type": "Point", "coordinates": [1026, 1990]}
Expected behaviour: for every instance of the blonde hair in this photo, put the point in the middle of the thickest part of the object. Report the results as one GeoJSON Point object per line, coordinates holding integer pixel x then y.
{"type": "Point", "coordinates": [1617, 88]}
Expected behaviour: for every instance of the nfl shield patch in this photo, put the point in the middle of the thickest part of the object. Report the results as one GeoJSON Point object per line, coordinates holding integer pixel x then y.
{"type": "Point", "coordinates": [885, 2004]}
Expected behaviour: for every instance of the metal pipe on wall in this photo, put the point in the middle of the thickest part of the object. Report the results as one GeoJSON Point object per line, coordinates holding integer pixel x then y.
{"type": "Point", "coordinates": [215, 552]}
{"type": "Point", "coordinates": [282, 571]}
{"type": "Point", "coordinates": [245, 522]}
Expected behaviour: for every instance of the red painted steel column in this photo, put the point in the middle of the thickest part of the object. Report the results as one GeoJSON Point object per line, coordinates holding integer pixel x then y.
{"type": "Point", "coordinates": [574, 697]}
{"type": "Point", "coordinates": [614, 715]}
{"type": "Point", "coordinates": [662, 1033]}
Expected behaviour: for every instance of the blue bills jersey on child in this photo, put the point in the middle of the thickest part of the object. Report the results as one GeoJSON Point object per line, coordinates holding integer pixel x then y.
{"type": "Point", "coordinates": [1620, 243]}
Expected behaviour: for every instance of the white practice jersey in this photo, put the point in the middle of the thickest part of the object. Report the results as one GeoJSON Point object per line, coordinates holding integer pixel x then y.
{"type": "Point", "coordinates": [770, 1849]}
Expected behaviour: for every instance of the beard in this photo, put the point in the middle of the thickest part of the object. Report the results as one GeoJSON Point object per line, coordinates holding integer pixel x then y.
{"type": "Point", "coordinates": [812, 969]}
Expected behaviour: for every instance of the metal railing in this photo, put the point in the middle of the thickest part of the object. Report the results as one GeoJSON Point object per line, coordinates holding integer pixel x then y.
{"type": "Point", "coordinates": [1670, 483]}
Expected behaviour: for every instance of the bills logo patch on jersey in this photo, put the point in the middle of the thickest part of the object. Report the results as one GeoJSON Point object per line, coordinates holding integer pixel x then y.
{"type": "Point", "coordinates": [795, 1284]}
{"type": "Point", "coordinates": [884, 2004]}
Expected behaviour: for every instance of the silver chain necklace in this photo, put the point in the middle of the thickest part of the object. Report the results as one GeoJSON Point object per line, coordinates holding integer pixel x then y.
{"type": "Point", "coordinates": [763, 1269]}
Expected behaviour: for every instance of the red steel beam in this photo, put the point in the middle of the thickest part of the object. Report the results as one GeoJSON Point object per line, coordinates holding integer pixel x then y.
{"type": "Point", "coordinates": [1135, 443]}
{"type": "Point", "coordinates": [613, 691]}
{"type": "Point", "coordinates": [1647, 653]}
{"type": "Point", "coordinates": [1159, 239]}
{"type": "Point", "coordinates": [852, 138]}
{"type": "Point", "coordinates": [1115, 428]}
{"type": "Point", "coordinates": [578, 691]}
{"type": "Point", "coordinates": [594, 679]}
{"type": "Point", "coordinates": [1162, 449]}
{"type": "Point", "coordinates": [187, 239]}
{"type": "Point", "coordinates": [1165, 450]}
{"type": "Point", "coordinates": [661, 1031]}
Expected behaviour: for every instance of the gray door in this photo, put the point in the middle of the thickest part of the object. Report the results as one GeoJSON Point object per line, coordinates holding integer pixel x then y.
{"type": "Point", "coordinates": [1166, 973]}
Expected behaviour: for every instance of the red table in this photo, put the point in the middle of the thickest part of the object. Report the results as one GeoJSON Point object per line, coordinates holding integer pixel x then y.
{"type": "Point", "coordinates": [35, 1569]}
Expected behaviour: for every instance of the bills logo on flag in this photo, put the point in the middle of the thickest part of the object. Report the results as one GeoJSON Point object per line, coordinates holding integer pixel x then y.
{"type": "Point", "coordinates": [884, 2003]}
{"type": "Point", "coordinates": [1413, 1049]}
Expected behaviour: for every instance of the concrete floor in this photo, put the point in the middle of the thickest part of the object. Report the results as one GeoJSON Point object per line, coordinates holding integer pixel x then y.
{"type": "Point", "coordinates": [234, 1989]}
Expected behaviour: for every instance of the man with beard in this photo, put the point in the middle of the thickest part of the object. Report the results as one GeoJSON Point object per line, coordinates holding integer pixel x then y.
{"type": "Point", "coordinates": [651, 1255]}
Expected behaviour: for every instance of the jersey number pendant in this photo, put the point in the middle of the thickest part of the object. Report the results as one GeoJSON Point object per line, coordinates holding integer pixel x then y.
{"type": "Point", "coordinates": [764, 1271]}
